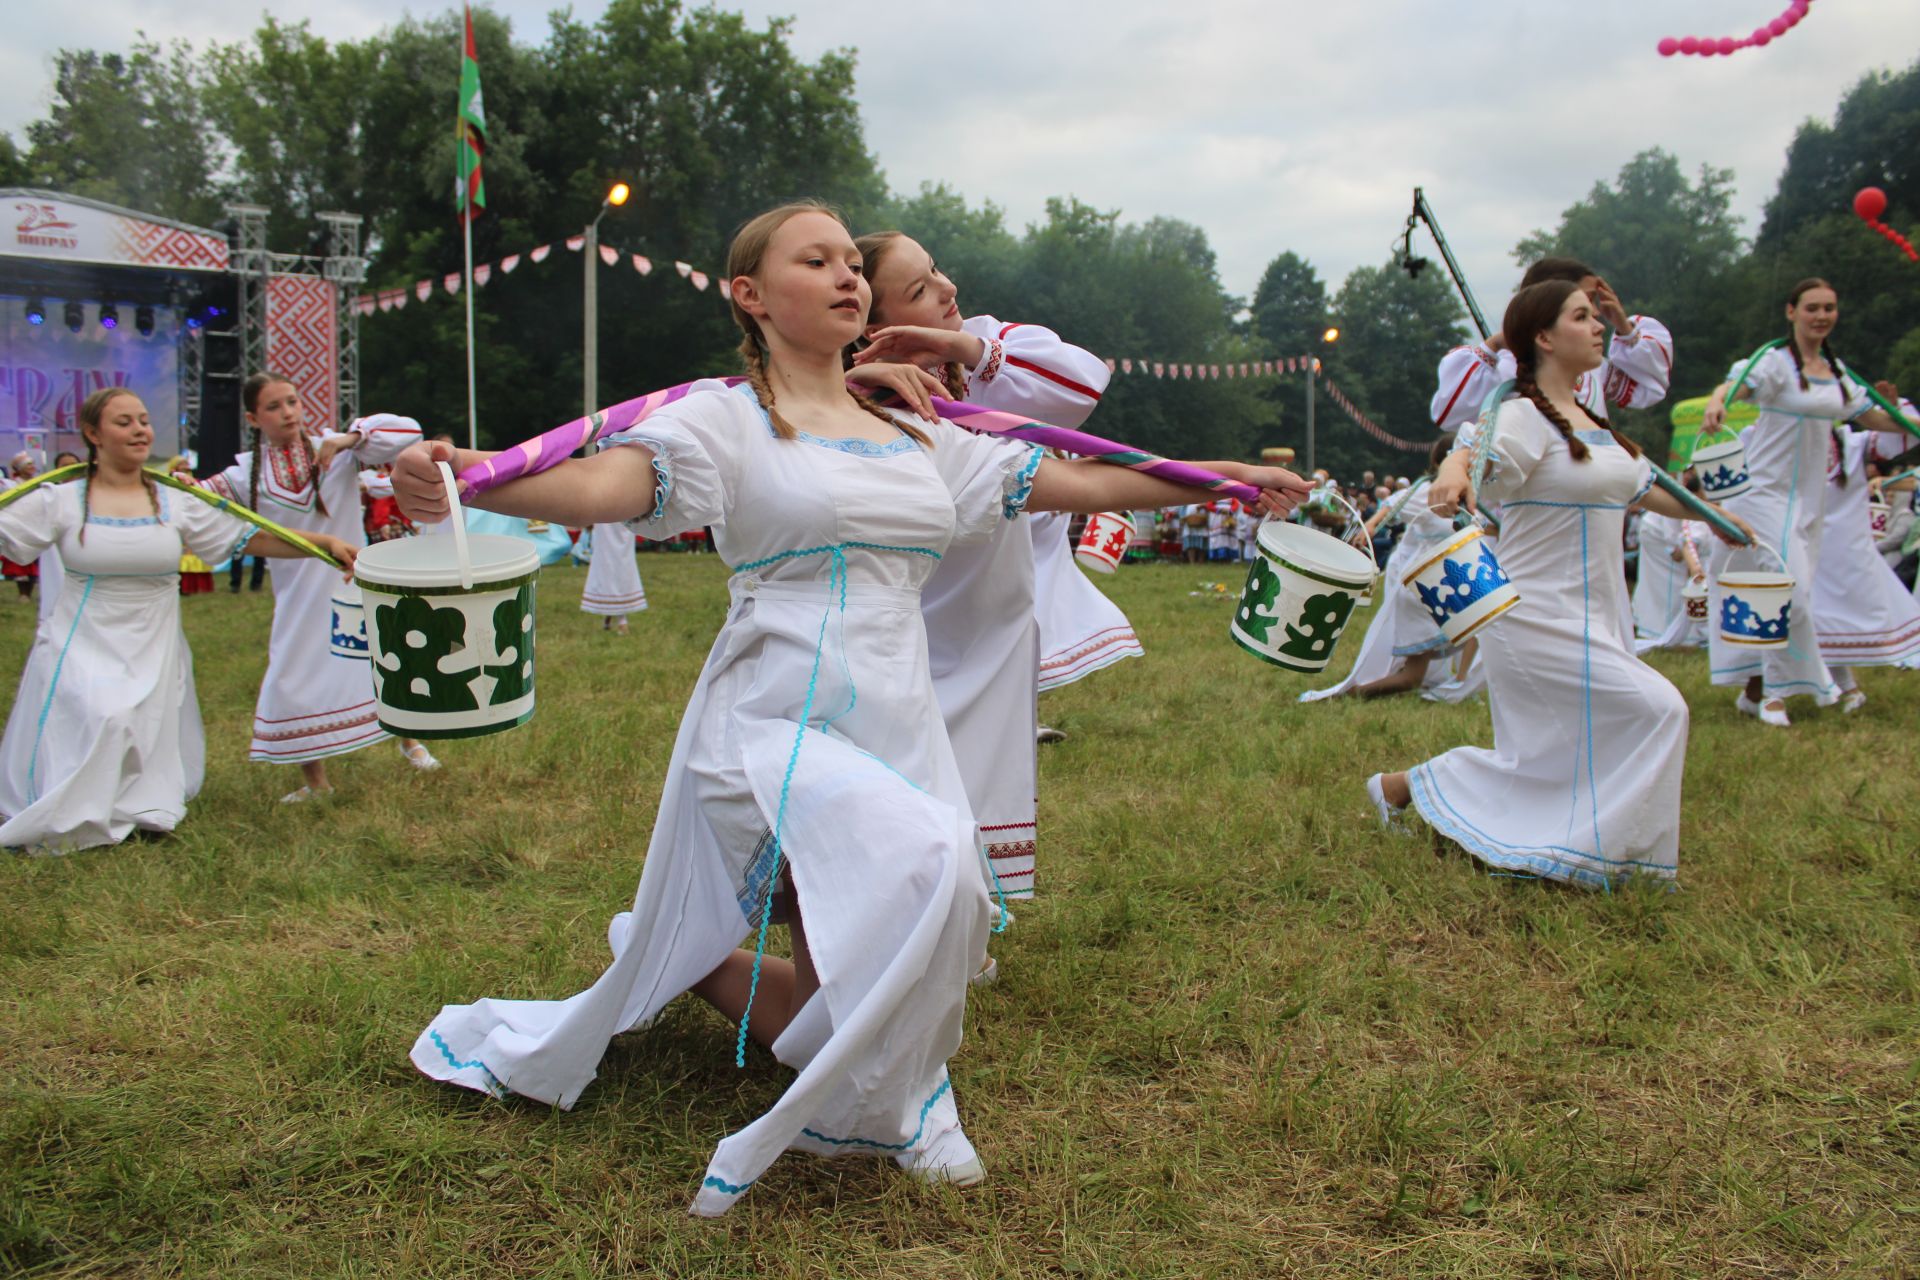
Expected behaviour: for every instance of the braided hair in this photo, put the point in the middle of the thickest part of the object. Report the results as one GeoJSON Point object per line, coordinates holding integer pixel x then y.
{"type": "Point", "coordinates": [873, 250]}
{"type": "Point", "coordinates": [93, 412]}
{"type": "Point", "coordinates": [250, 393]}
{"type": "Point", "coordinates": [1533, 311]}
{"type": "Point", "coordinates": [744, 257]}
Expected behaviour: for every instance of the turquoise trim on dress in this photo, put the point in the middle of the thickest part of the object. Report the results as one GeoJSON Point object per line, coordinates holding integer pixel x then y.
{"type": "Point", "coordinates": [1015, 500]}
{"type": "Point", "coordinates": [926, 1109]}
{"type": "Point", "coordinates": [719, 1184]}
{"type": "Point", "coordinates": [46, 707]}
{"type": "Point", "coordinates": [859, 447]}
{"type": "Point", "coordinates": [495, 1085]}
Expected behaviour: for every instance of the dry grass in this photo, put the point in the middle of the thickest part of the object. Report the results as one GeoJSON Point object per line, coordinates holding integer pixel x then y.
{"type": "Point", "coordinates": [1241, 1033]}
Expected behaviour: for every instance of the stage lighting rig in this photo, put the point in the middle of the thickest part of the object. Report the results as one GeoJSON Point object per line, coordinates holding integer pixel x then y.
{"type": "Point", "coordinates": [109, 316]}
{"type": "Point", "coordinates": [75, 316]}
{"type": "Point", "coordinates": [143, 320]}
{"type": "Point", "coordinates": [36, 311]}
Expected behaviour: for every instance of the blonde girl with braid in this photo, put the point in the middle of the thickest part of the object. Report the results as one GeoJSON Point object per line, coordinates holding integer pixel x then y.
{"type": "Point", "coordinates": [313, 703]}
{"type": "Point", "coordinates": [1582, 783]}
{"type": "Point", "coordinates": [1804, 392]}
{"type": "Point", "coordinates": [105, 735]}
{"type": "Point", "coordinates": [812, 764]}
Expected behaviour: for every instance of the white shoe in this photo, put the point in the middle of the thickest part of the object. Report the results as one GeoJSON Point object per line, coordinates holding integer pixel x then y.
{"type": "Point", "coordinates": [1773, 711]}
{"type": "Point", "coordinates": [305, 794]}
{"type": "Point", "coordinates": [946, 1157]}
{"type": "Point", "coordinates": [988, 975]}
{"type": "Point", "coordinates": [420, 758]}
{"type": "Point", "coordinates": [1852, 700]}
{"type": "Point", "coordinates": [1384, 809]}
{"type": "Point", "coordinates": [1746, 706]}
{"type": "Point", "coordinates": [1047, 733]}
{"type": "Point", "coordinates": [995, 915]}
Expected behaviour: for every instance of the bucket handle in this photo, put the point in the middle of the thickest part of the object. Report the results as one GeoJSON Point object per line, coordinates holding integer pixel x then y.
{"type": "Point", "coordinates": [1768, 546]}
{"type": "Point", "coordinates": [457, 518]}
{"type": "Point", "coordinates": [1358, 522]}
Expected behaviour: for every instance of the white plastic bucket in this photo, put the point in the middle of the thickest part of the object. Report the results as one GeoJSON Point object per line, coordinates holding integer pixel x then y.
{"type": "Point", "coordinates": [450, 621]}
{"type": "Point", "coordinates": [1722, 467]}
{"type": "Point", "coordinates": [348, 637]}
{"type": "Point", "coordinates": [1756, 606]}
{"type": "Point", "coordinates": [1878, 513]}
{"type": "Point", "coordinates": [1694, 597]}
{"type": "Point", "coordinates": [1301, 589]}
{"type": "Point", "coordinates": [1104, 541]}
{"type": "Point", "coordinates": [1462, 585]}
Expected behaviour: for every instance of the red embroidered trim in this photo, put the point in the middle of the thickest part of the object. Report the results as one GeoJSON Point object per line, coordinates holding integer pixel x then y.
{"type": "Point", "coordinates": [990, 368]}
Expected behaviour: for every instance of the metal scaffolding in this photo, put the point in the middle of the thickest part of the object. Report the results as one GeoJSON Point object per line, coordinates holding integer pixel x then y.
{"type": "Point", "coordinates": [346, 270]}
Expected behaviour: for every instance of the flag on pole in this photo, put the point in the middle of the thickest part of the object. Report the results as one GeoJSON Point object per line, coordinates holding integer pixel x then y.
{"type": "Point", "coordinates": [470, 192]}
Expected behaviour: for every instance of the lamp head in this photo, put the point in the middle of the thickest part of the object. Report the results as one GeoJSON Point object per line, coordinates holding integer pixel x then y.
{"type": "Point", "coordinates": [618, 193]}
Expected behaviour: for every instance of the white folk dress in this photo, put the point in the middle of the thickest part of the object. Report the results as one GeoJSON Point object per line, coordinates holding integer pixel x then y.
{"type": "Point", "coordinates": [613, 587]}
{"type": "Point", "coordinates": [313, 703]}
{"type": "Point", "coordinates": [1656, 589]}
{"type": "Point", "coordinates": [1684, 632]}
{"type": "Point", "coordinates": [105, 732]}
{"type": "Point", "coordinates": [1787, 451]}
{"type": "Point", "coordinates": [1403, 628]}
{"type": "Point", "coordinates": [1863, 615]}
{"type": "Point", "coordinates": [1081, 630]}
{"type": "Point", "coordinates": [814, 718]}
{"type": "Point", "coordinates": [1638, 369]}
{"type": "Point", "coordinates": [983, 638]}
{"type": "Point", "coordinates": [1582, 783]}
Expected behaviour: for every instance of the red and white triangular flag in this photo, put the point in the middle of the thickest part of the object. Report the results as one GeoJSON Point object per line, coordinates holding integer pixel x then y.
{"type": "Point", "coordinates": [609, 254]}
{"type": "Point", "coordinates": [451, 283]}
{"type": "Point", "coordinates": [540, 254]}
{"type": "Point", "coordinates": [576, 243]}
{"type": "Point", "coordinates": [508, 263]}
{"type": "Point", "coordinates": [643, 265]}
{"type": "Point", "coordinates": [422, 289]}
{"type": "Point", "coordinates": [699, 279]}
{"type": "Point", "coordinates": [483, 273]}
{"type": "Point", "coordinates": [684, 268]}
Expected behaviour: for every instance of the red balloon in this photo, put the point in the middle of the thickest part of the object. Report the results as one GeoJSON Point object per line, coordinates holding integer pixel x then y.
{"type": "Point", "coordinates": [1689, 44]}
{"type": "Point", "coordinates": [1760, 38]}
{"type": "Point", "coordinates": [1727, 45]}
{"type": "Point", "coordinates": [1870, 202]}
{"type": "Point", "coordinates": [1669, 47]}
{"type": "Point", "coordinates": [1779, 26]}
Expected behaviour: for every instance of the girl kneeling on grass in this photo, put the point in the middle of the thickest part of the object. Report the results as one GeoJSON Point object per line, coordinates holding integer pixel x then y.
{"type": "Point", "coordinates": [1583, 781]}
{"type": "Point", "coordinates": [812, 753]}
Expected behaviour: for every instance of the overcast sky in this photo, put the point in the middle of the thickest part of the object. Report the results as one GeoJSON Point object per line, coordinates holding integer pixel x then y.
{"type": "Point", "coordinates": [1273, 126]}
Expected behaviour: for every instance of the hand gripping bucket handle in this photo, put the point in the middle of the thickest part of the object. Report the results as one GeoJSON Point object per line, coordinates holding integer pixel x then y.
{"type": "Point", "coordinates": [1357, 522]}
{"type": "Point", "coordinates": [1762, 545]}
{"type": "Point", "coordinates": [457, 519]}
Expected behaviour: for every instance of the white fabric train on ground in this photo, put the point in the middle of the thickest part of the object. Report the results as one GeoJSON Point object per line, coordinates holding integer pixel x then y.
{"type": "Point", "coordinates": [1582, 783]}
{"type": "Point", "coordinates": [105, 733]}
{"type": "Point", "coordinates": [833, 541]}
{"type": "Point", "coordinates": [313, 703]}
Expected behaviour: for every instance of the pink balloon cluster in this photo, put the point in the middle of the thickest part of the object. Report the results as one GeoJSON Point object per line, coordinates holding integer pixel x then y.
{"type": "Point", "coordinates": [1870, 203]}
{"type": "Point", "coordinates": [1708, 46]}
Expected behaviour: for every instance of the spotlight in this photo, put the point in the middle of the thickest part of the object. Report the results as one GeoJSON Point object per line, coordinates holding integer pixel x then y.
{"type": "Point", "coordinates": [76, 317]}
{"type": "Point", "coordinates": [36, 311]}
{"type": "Point", "coordinates": [213, 312]}
{"type": "Point", "coordinates": [193, 320]}
{"type": "Point", "coordinates": [109, 316]}
{"type": "Point", "coordinates": [1414, 266]}
{"type": "Point", "coordinates": [143, 320]}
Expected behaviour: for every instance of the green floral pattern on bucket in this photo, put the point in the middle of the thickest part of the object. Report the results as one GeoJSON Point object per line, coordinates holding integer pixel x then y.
{"type": "Point", "coordinates": [1259, 601]}
{"type": "Point", "coordinates": [1322, 619]}
{"type": "Point", "coordinates": [428, 662]}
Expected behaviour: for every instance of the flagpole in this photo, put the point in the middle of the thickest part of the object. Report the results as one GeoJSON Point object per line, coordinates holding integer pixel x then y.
{"type": "Point", "coordinates": [473, 403]}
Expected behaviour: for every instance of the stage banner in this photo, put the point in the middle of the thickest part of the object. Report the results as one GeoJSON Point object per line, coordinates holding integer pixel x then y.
{"type": "Point", "coordinates": [42, 225]}
{"type": "Point", "coordinates": [46, 372]}
{"type": "Point", "coordinates": [303, 346]}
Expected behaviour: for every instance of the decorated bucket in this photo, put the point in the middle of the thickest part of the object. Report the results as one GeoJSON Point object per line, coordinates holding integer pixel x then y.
{"type": "Point", "coordinates": [1302, 587]}
{"type": "Point", "coordinates": [1722, 466]}
{"type": "Point", "coordinates": [1878, 513]}
{"type": "Point", "coordinates": [1104, 541]}
{"type": "Point", "coordinates": [450, 621]}
{"type": "Point", "coordinates": [1694, 597]}
{"type": "Point", "coordinates": [1756, 606]}
{"type": "Point", "coordinates": [348, 638]}
{"type": "Point", "coordinates": [1462, 585]}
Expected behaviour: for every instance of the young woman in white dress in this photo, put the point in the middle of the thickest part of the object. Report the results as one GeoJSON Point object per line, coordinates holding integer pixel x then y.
{"type": "Point", "coordinates": [1401, 645]}
{"type": "Point", "coordinates": [1635, 374]}
{"type": "Point", "coordinates": [1803, 392]}
{"type": "Point", "coordinates": [313, 703]}
{"type": "Point", "coordinates": [105, 736]}
{"type": "Point", "coordinates": [613, 587]}
{"type": "Point", "coordinates": [993, 636]}
{"type": "Point", "coordinates": [1863, 615]}
{"type": "Point", "coordinates": [1582, 783]}
{"type": "Point", "coordinates": [812, 753]}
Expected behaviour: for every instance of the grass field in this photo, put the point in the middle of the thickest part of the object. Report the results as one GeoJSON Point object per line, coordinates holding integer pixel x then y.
{"type": "Point", "coordinates": [1241, 1033]}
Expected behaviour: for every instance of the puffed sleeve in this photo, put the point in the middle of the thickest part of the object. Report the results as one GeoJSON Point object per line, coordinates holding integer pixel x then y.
{"type": "Point", "coordinates": [990, 477]}
{"type": "Point", "coordinates": [695, 471]}
{"type": "Point", "coordinates": [382, 437]}
{"type": "Point", "coordinates": [231, 483]}
{"type": "Point", "coordinates": [1772, 374]}
{"type": "Point", "coordinates": [1467, 375]}
{"type": "Point", "coordinates": [1030, 370]}
{"type": "Point", "coordinates": [206, 530]}
{"type": "Point", "coordinates": [33, 522]}
{"type": "Point", "coordinates": [1521, 438]}
{"type": "Point", "coordinates": [1639, 364]}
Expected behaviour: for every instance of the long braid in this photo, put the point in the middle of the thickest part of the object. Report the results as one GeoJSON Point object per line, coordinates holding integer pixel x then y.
{"type": "Point", "coordinates": [253, 479]}
{"type": "Point", "coordinates": [954, 375]}
{"type": "Point", "coordinates": [754, 358]}
{"type": "Point", "coordinates": [153, 491]}
{"type": "Point", "coordinates": [1793, 349]}
{"type": "Point", "coordinates": [1523, 383]}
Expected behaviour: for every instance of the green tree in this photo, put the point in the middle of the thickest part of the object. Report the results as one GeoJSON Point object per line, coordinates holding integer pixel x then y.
{"type": "Point", "coordinates": [1869, 143]}
{"type": "Point", "coordinates": [1393, 330]}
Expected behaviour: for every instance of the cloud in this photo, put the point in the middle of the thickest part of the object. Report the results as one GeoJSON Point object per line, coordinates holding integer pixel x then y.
{"type": "Point", "coordinates": [1272, 127]}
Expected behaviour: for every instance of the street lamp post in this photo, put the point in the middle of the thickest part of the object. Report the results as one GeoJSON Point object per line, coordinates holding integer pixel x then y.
{"type": "Point", "coordinates": [590, 361]}
{"type": "Point", "coordinates": [1332, 335]}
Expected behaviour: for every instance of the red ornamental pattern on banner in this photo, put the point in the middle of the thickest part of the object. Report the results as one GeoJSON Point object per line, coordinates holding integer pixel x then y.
{"type": "Point", "coordinates": [302, 345]}
{"type": "Point", "coordinates": [151, 244]}
{"type": "Point", "coordinates": [396, 299]}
